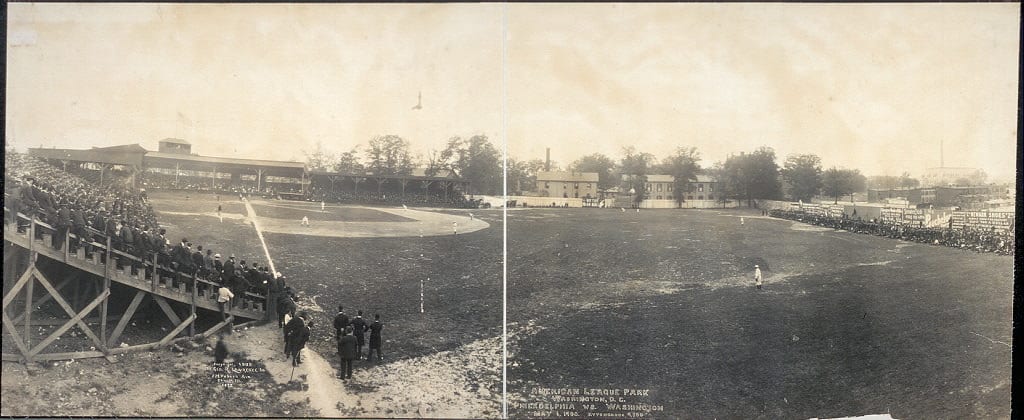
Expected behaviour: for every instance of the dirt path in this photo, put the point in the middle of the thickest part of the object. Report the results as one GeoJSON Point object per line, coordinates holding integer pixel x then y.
{"type": "Point", "coordinates": [462, 383]}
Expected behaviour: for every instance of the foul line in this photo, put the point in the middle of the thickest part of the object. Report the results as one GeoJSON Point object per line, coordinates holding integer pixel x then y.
{"type": "Point", "coordinates": [255, 224]}
{"type": "Point", "coordinates": [991, 340]}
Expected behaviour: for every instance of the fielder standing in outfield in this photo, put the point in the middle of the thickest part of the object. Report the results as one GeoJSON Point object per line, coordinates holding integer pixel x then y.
{"type": "Point", "coordinates": [305, 221]}
{"type": "Point", "coordinates": [757, 276]}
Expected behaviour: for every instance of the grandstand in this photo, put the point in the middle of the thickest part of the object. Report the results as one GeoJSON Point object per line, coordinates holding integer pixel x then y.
{"type": "Point", "coordinates": [101, 244]}
{"type": "Point", "coordinates": [175, 167]}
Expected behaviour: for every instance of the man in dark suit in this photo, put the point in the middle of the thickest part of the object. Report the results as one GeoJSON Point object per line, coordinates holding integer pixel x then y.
{"type": "Point", "coordinates": [375, 340]}
{"type": "Point", "coordinates": [290, 329]}
{"type": "Point", "coordinates": [347, 350]}
{"type": "Point", "coordinates": [340, 322]}
{"type": "Point", "coordinates": [359, 330]}
{"type": "Point", "coordinates": [285, 305]}
{"type": "Point", "coordinates": [197, 262]}
{"type": "Point", "coordinates": [63, 225]}
{"type": "Point", "coordinates": [298, 341]}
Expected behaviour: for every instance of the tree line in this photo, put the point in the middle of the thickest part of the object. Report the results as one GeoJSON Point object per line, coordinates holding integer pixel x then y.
{"type": "Point", "coordinates": [743, 176]}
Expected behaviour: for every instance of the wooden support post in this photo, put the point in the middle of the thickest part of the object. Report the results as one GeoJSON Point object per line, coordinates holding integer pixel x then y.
{"type": "Point", "coordinates": [128, 313]}
{"type": "Point", "coordinates": [103, 314]}
{"type": "Point", "coordinates": [106, 267]}
{"type": "Point", "coordinates": [195, 295]}
{"type": "Point", "coordinates": [156, 273]}
{"type": "Point", "coordinates": [28, 306]}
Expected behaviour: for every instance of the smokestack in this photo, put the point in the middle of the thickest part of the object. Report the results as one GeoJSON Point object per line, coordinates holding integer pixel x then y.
{"type": "Point", "coordinates": [547, 161]}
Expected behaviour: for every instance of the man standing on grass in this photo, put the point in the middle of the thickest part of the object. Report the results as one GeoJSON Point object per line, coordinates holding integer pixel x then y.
{"type": "Point", "coordinates": [359, 329]}
{"type": "Point", "coordinates": [375, 340]}
{"type": "Point", "coordinates": [305, 221]}
{"type": "Point", "coordinates": [757, 276]}
{"type": "Point", "coordinates": [347, 351]}
{"type": "Point", "coordinates": [340, 322]}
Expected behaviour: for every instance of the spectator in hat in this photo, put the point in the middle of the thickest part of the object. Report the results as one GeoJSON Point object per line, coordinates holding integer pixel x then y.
{"type": "Point", "coordinates": [347, 351]}
{"type": "Point", "coordinates": [359, 330]}
{"type": "Point", "coordinates": [375, 339]}
{"type": "Point", "coordinates": [340, 322]}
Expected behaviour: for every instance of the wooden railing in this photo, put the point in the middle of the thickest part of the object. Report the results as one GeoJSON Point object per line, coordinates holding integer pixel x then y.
{"type": "Point", "coordinates": [141, 273]}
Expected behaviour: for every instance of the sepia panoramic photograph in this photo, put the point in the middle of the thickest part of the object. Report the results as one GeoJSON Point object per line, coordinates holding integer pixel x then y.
{"type": "Point", "coordinates": [526, 211]}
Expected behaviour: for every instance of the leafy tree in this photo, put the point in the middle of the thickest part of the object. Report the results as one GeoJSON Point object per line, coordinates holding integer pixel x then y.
{"type": "Point", "coordinates": [348, 163]}
{"type": "Point", "coordinates": [634, 167]}
{"type": "Point", "coordinates": [476, 160]}
{"type": "Point", "coordinates": [840, 182]}
{"type": "Point", "coordinates": [888, 182]}
{"type": "Point", "coordinates": [905, 181]}
{"type": "Point", "coordinates": [319, 159]}
{"type": "Point", "coordinates": [803, 174]}
{"type": "Point", "coordinates": [751, 176]}
{"type": "Point", "coordinates": [603, 165]}
{"type": "Point", "coordinates": [389, 155]}
{"type": "Point", "coordinates": [683, 165]}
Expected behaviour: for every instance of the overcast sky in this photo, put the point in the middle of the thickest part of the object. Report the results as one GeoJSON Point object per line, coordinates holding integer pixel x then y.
{"type": "Point", "coordinates": [874, 87]}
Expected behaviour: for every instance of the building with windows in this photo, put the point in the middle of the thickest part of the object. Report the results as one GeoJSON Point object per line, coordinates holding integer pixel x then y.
{"type": "Point", "coordinates": [703, 192]}
{"type": "Point", "coordinates": [659, 187]}
{"type": "Point", "coordinates": [567, 184]}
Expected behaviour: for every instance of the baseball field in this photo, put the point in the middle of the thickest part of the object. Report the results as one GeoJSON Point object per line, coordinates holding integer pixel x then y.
{"type": "Point", "coordinates": [659, 304]}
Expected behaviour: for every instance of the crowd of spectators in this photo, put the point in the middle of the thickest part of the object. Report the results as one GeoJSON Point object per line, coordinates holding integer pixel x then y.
{"type": "Point", "coordinates": [968, 238]}
{"type": "Point", "coordinates": [246, 188]}
{"type": "Point", "coordinates": [92, 214]}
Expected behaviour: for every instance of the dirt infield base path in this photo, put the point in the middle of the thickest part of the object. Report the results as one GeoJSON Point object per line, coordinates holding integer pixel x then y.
{"type": "Point", "coordinates": [426, 223]}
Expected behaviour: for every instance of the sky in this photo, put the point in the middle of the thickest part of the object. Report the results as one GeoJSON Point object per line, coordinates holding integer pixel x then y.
{"type": "Point", "coordinates": [876, 87]}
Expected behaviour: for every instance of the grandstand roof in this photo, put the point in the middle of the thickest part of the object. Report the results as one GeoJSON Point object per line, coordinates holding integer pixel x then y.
{"type": "Point", "coordinates": [130, 154]}
{"type": "Point", "coordinates": [175, 141]}
{"type": "Point", "coordinates": [207, 163]}
{"type": "Point", "coordinates": [564, 176]}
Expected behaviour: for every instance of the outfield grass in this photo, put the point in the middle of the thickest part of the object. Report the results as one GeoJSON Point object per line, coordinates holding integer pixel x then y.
{"type": "Point", "coordinates": [847, 324]}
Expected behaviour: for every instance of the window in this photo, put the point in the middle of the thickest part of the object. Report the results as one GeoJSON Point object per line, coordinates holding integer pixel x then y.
{"type": "Point", "coordinates": [659, 187]}
{"type": "Point", "coordinates": [710, 189]}
{"type": "Point", "coordinates": [669, 188]}
{"type": "Point", "coordinates": [711, 197]}
{"type": "Point", "coordinates": [700, 197]}
{"type": "Point", "coordinates": [659, 197]}
{"type": "Point", "coordinates": [576, 185]}
{"type": "Point", "coordinates": [700, 187]}
{"type": "Point", "coordinates": [648, 187]}
{"type": "Point", "coordinates": [689, 197]}
{"type": "Point", "coordinates": [547, 185]}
